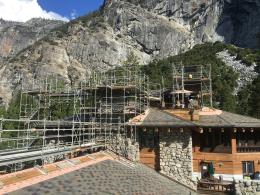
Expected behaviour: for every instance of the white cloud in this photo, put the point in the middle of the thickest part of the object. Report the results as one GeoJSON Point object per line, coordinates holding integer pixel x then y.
{"type": "Point", "coordinates": [73, 14]}
{"type": "Point", "coordinates": [24, 10]}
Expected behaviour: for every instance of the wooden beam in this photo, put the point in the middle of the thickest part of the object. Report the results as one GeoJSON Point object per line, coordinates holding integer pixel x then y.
{"type": "Point", "coordinates": [199, 130]}
{"type": "Point", "coordinates": [233, 143]}
{"type": "Point", "coordinates": [196, 142]}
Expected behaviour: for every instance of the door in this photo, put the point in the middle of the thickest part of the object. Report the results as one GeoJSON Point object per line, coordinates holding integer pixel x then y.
{"type": "Point", "coordinates": [149, 148]}
{"type": "Point", "coordinates": [205, 174]}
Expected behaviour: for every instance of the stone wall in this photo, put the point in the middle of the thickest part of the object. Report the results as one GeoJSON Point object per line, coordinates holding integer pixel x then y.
{"type": "Point", "coordinates": [247, 187]}
{"type": "Point", "coordinates": [176, 156]}
{"type": "Point", "coordinates": [125, 147]}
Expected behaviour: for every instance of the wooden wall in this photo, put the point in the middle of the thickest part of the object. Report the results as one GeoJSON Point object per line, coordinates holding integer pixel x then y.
{"type": "Point", "coordinates": [225, 163]}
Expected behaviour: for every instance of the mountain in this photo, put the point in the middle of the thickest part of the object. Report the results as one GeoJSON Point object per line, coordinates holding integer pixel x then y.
{"type": "Point", "coordinates": [148, 29]}
{"type": "Point", "coordinates": [232, 21]}
{"type": "Point", "coordinates": [16, 36]}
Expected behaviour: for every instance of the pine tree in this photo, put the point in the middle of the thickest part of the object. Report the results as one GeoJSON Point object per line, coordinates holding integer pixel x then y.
{"type": "Point", "coordinates": [254, 102]}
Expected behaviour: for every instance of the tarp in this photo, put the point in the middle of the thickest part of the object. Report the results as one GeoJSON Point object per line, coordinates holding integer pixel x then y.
{"type": "Point", "coordinates": [211, 169]}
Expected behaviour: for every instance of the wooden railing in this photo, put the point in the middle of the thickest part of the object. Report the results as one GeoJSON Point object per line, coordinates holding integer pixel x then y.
{"type": "Point", "coordinates": [248, 149]}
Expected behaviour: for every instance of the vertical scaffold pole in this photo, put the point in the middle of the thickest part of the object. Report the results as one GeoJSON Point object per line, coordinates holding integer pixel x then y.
{"type": "Point", "coordinates": [210, 86]}
{"type": "Point", "coordinates": [173, 85]}
{"type": "Point", "coordinates": [182, 85]}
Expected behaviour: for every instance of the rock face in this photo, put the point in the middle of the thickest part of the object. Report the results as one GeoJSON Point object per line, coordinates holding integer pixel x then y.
{"type": "Point", "coordinates": [150, 29]}
{"type": "Point", "coordinates": [15, 36]}
{"type": "Point", "coordinates": [246, 73]}
{"type": "Point", "coordinates": [176, 156]}
{"type": "Point", "coordinates": [239, 23]}
{"type": "Point", "coordinates": [233, 21]}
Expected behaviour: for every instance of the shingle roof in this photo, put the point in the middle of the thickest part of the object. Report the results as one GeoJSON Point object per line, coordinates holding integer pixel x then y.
{"type": "Point", "coordinates": [212, 121]}
{"type": "Point", "coordinates": [157, 118]}
{"type": "Point", "coordinates": [108, 177]}
{"type": "Point", "coordinates": [215, 118]}
{"type": "Point", "coordinates": [228, 119]}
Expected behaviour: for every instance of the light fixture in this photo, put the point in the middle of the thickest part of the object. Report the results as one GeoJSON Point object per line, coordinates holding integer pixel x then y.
{"type": "Point", "coordinates": [181, 129]}
{"type": "Point", "coordinates": [169, 130]}
{"type": "Point", "coordinates": [156, 129]}
{"type": "Point", "coordinates": [235, 130]}
{"type": "Point", "coordinates": [210, 130]}
{"type": "Point", "coordinates": [222, 130]}
{"type": "Point", "coordinates": [252, 130]}
{"type": "Point", "coordinates": [220, 164]}
{"type": "Point", "coordinates": [144, 129]}
{"type": "Point", "coordinates": [243, 130]}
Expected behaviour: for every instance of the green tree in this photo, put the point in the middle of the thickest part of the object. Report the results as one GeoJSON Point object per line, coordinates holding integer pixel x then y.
{"type": "Point", "coordinates": [227, 101]}
{"type": "Point", "coordinates": [254, 102]}
{"type": "Point", "coordinates": [132, 62]}
{"type": "Point", "coordinates": [223, 77]}
{"type": "Point", "coordinates": [258, 40]}
{"type": "Point", "coordinates": [243, 100]}
{"type": "Point", "coordinates": [2, 111]}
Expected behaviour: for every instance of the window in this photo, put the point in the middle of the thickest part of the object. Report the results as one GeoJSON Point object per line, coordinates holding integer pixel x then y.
{"type": "Point", "coordinates": [216, 141]}
{"type": "Point", "coordinates": [248, 168]}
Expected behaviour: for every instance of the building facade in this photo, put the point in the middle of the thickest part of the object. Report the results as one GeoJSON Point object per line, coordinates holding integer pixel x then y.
{"type": "Point", "coordinates": [185, 147]}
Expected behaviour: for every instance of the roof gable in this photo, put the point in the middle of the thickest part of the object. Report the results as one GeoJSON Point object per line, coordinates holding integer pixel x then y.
{"type": "Point", "coordinates": [156, 117]}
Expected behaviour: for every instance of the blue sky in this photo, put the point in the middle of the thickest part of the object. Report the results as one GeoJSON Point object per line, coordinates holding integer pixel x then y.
{"type": "Point", "coordinates": [70, 8]}
{"type": "Point", "coordinates": [24, 10]}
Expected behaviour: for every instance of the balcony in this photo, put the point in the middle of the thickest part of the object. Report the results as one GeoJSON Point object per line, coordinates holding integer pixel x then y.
{"type": "Point", "coordinates": [248, 149]}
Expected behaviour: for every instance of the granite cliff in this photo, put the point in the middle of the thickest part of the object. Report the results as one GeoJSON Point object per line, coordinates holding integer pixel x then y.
{"type": "Point", "coordinates": [16, 36]}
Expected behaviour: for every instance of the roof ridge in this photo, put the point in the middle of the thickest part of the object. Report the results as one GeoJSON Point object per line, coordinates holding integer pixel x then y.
{"type": "Point", "coordinates": [178, 117]}
{"type": "Point", "coordinates": [226, 120]}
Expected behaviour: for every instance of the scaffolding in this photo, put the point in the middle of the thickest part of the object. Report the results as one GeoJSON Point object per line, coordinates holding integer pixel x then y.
{"type": "Point", "coordinates": [192, 81]}
{"type": "Point", "coordinates": [57, 120]}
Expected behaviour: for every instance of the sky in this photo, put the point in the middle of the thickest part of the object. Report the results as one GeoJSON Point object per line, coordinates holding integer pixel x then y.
{"type": "Point", "coordinates": [24, 10]}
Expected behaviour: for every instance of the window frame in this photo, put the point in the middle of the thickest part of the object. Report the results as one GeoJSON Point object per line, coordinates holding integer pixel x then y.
{"type": "Point", "coordinates": [246, 169]}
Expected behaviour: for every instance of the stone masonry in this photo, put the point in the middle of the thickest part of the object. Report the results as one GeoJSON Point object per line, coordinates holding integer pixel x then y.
{"type": "Point", "coordinates": [247, 187]}
{"type": "Point", "coordinates": [176, 156]}
{"type": "Point", "coordinates": [127, 148]}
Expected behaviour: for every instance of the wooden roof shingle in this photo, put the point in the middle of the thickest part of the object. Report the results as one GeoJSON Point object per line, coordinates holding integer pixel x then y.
{"type": "Point", "coordinates": [158, 118]}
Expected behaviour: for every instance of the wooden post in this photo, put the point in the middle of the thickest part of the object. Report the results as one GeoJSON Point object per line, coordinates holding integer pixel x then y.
{"type": "Point", "coordinates": [196, 140]}
{"type": "Point", "coordinates": [233, 143]}
{"type": "Point", "coordinates": [196, 148]}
